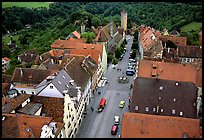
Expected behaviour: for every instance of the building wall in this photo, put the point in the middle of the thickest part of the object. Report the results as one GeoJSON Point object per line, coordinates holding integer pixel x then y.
{"type": "Point", "coordinates": [50, 92]}
{"type": "Point", "coordinates": [141, 50]}
{"type": "Point", "coordinates": [104, 59]}
{"type": "Point", "coordinates": [28, 90]}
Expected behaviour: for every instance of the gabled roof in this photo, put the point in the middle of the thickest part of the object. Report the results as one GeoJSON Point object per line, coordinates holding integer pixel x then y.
{"type": "Point", "coordinates": [61, 80]}
{"type": "Point", "coordinates": [6, 59]}
{"type": "Point", "coordinates": [90, 65]}
{"type": "Point", "coordinates": [68, 44]}
{"type": "Point", "coordinates": [42, 58]}
{"type": "Point", "coordinates": [164, 96]}
{"type": "Point", "coordinates": [76, 72]}
{"type": "Point", "coordinates": [28, 56]}
{"type": "Point", "coordinates": [52, 107]}
{"type": "Point", "coordinates": [167, 71]}
{"type": "Point", "coordinates": [170, 53]}
{"type": "Point", "coordinates": [56, 52]}
{"type": "Point", "coordinates": [23, 126]}
{"type": "Point", "coordinates": [136, 125]}
{"type": "Point", "coordinates": [76, 34]}
{"type": "Point", "coordinates": [15, 102]}
{"type": "Point", "coordinates": [177, 40]}
{"type": "Point", "coordinates": [6, 78]}
{"type": "Point", "coordinates": [30, 76]}
{"type": "Point", "coordinates": [190, 51]}
{"type": "Point", "coordinates": [93, 53]}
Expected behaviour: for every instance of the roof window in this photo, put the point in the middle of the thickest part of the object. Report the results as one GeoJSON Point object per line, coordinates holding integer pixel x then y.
{"type": "Point", "coordinates": [173, 111]}
{"type": "Point", "coordinates": [154, 109]}
{"type": "Point", "coordinates": [177, 83]}
{"type": "Point", "coordinates": [63, 76]}
{"type": "Point", "coordinates": [59, 82]}
{"type": "Point", "coordinates": [136, 107]}
{"type": "Point", "coordinates": [162, 110]}
{"type": "Point", "coordinates": [161, 88]}
{"type": "Point", "coordinates": [147, 109]}
{"type": "Point", "coordinates": [181, 113]}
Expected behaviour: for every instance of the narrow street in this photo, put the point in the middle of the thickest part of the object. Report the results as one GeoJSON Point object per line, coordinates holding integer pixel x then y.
{"type": "Point", "coordinates": [98, 125]}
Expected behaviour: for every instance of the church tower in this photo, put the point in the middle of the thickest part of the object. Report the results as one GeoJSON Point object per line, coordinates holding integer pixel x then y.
{"type": "Point", "coordinates": [124, 20]}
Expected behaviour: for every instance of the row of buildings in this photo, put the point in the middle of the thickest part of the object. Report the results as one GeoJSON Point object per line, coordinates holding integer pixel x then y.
{"type": "Point", "coordinates": [50, 99]}
{"type": "Point", "coordinates": [167, 93]}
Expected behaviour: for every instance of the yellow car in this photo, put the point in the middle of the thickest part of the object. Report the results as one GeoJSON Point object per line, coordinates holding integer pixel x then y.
{"type": "Point", "coordinates": [122, 104]}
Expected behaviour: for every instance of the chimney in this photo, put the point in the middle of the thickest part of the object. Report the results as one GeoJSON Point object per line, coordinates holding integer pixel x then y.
{"type": "Point", "coordinates": [168, 50]}
{"type": "Point", "coordinates": [21, 71]}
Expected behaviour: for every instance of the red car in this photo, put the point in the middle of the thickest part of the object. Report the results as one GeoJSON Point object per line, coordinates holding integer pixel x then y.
{"type": "Point", "coordinates": [114, 129]}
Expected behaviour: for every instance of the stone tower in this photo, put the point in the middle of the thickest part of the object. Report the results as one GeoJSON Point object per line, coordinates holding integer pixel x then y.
{"type": "Point", "coordinates": [82, 27]}
{"type": "Point", "coordinates": [124, 20]}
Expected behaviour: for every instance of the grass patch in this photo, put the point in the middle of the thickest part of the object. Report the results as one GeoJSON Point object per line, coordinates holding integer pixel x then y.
{"type": "Point", "coordinates": [26, 4]}
{"type": "Point", "coordinates": [6, 39]}
{"type": "Point", "coordinates": [196, 26]}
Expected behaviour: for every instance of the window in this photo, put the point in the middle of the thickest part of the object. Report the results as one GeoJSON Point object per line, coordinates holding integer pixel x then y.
{"type": "Point", "coordinates": [51, 87]}
{"type": "Point", "coordinates": [147, 109]}
{"type": "Point", "coordinates": [162, 110]}
{"type": "Point", "coordinates": [154, 109]}
{"type": "Point", "coordinates": [75, 131]}
{"type": "Point", "coordinates": [136, 108]}
{"type": "Point", "coordinates": [173, 111]}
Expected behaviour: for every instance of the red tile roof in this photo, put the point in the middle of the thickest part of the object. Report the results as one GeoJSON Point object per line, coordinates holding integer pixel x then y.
{"type": "Point", "coordinates": [75, 33]}
{"type": "Point", "coordinates": [23, 126]}
{"type": "Point", "coordinates": [136, 125]}
{"type": "Point", "coordinates": [56, 52]}
{"type": "Point", "coordinates": [67, 44]}
{"type": "Point", "coordinates": [6, 59]}
{"type": "Point", "coordinates": [93, 53]}
{"type": "Point", "coordinates": [168, 71]}
{"type": "Point", "coordinates": [178, 40]}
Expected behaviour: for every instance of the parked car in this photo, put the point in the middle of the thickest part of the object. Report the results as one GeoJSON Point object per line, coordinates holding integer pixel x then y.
{"type": "Point", "coordinates": [114, 129]}
{"type": "Point", "coordinates": [116, 120]}
{"type": "Point", "coordinates": [130, 72]}
{"type": "Point", "coordinates": [122, 104]}
{"type": "Point", "coordinates": [101, 105]}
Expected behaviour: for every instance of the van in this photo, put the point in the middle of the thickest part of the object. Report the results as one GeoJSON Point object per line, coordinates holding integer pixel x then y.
{"type": "Point", "coordinates": [102, 104]}
{"type": "Point", "coordinates": [114, 129]}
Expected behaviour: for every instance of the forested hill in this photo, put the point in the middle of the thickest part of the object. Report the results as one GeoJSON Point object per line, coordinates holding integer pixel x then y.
{"type": "Point", "coordinates": [157, 15]}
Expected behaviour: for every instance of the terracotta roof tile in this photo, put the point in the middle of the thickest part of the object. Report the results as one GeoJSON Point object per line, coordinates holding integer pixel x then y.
{"type": "Point", "coordinates": [135, 125]}
{"type": "Point", "coordinates": [56, 52]}
{"type": "Point", "coordinates": [6, 59]}
{"type": "Point", "coordinates": [30, 76]}
{"type": "Point", "coordinates": [15, 102]}
{"type": "Point", "coordinates": [23, 126]}
{"type": "Point", "coordinates": [75, 33]}
{"type": "Point", "coordinates": [168, 71]}
{"type": "Point", "coordinates": [190, 51]}
{"type": "Point", "coordinates": [178, 40]}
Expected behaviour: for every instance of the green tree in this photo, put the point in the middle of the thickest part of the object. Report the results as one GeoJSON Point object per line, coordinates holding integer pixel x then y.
{"type": "Point", "coordinates": [114, 61]}
{"type": "Point", "coordinates": [5, 51]}
{"type": "Point", "coordinates": [96, 21]}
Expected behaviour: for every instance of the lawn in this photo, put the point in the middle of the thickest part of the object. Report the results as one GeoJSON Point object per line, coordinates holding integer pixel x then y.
{"type": "Point", "coordinates": [6, 39]}
{"type": "Point", "coordinates": [196, 26]}
{"type": "Point", "coordinates": [26, 4]}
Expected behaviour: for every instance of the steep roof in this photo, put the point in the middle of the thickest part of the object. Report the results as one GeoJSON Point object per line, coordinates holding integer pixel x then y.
{"type": "Point", "coordinates": [93, 53]}
{"type": "Point", "coordinates": [136, 125]}
{"type": "Point", "coordinates": [68, 44]}
{"type": "Point", "coordinates": [5, 88]}
{"type": "Point", "coordinates": [61, 81]}
{"type": "Point", "coordinates": [15, 102]}
{"type": "Point", "coordinates": [30, 76]}
{"type": "Point", "coordinates": [168, 95]}
{"type": "Point", "coordinates": [168, 71]}
{"type": "Point", "coordinates": [190, 51]}
{"type": "Point", "coordinates": [6, 59]}
{"type": "Point", "coordinates": [178, 40]}
{"type": "Point", "coordinates": [56, 52]}
{"type": "Point", "coordinates": [28, 56]}
{"type": "Point", "coordinates": [6, 78]}
{"type": "Point", "coordinates": [76, 34]}
{"type": "Point", "coordinates": [90, 65]}
{"type": "Point", "coordinates": [42, 58]}
{"type": "Point", "coordinates": [23, 126]}
{"type": "Point", "coordinates": [76, 72]}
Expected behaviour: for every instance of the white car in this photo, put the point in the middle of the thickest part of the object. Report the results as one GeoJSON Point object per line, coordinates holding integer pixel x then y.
{"type": "Point", "coordinates": [116, 120]}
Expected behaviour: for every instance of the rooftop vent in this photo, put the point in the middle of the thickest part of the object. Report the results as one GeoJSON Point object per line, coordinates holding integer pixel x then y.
{"type": "Point", "coordinates": [71, 82]}
{"type": "Point", "coordinates": [92, 48]}
{"type": "Point", "coordinates": [3, 118]}
{"type": "Point", "coordinates": [161, 88]}
{"type": "Point", "coordinates": [185, 135]}
{"type": "Point", "coordinates": [147, 109]}
{"type": "Point", "coordinates": [173, 111]}
{"type": "Point", "coordinates": [84, 47]}
{"type": "Point", "coordinates": [181, 113]}
{"type": "Point", "coordinates": [136, 108]}
{"type": "Point", "coordinates": [154, 65]}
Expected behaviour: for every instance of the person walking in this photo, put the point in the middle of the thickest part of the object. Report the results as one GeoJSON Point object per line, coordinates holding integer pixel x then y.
{"type": "Point", "coordinates": [92, 109]}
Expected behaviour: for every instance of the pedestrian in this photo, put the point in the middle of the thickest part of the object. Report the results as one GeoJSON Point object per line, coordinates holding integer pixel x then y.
{"type": "Point", "coordinates": [92, 109]}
